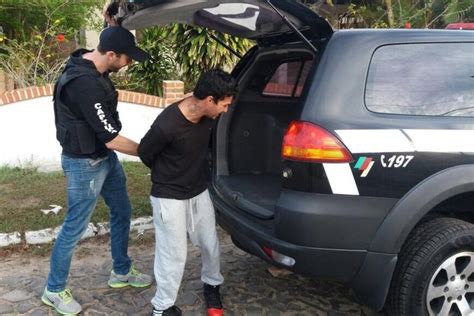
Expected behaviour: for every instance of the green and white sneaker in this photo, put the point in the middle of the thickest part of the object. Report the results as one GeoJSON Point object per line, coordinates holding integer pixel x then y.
{"type": "Point", "coordinates": [63, 302]}
{"type": "Point", "coordinates": [132, 278]}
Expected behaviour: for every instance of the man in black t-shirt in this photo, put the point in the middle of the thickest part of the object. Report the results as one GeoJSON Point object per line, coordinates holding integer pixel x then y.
{"type": "Point", "coordinates": [88, 129]}
{"type": "Point", "coordinates": [175, 148]}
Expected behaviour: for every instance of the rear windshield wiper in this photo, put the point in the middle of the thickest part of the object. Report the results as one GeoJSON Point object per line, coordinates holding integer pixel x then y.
{"type": "Point", "coordinates": [293, 27]}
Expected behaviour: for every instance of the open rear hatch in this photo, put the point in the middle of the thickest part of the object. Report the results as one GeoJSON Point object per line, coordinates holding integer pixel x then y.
{"type": "Point", "coordinates": [248, 141]}
{"type": "Point", "coordinates": [250, 19]}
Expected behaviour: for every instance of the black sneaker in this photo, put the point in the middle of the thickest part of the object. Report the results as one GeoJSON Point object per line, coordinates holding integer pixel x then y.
{"type": "Point", "coordinates": [170, 311]}
{"type": "Point", "coordinates": [213, 300]}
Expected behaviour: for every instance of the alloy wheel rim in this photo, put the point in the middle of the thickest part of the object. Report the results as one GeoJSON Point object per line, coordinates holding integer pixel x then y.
{"type": "Point", "coordinates": [451, 289]}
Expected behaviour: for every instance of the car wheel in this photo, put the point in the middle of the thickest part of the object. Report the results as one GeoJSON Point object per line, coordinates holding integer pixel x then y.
{"type": "Point", "coordinates": [435, 271]}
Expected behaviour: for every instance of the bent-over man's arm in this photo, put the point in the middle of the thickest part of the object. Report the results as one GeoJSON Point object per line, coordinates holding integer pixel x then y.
{"type": "Point", "coordinates": [151, 145]}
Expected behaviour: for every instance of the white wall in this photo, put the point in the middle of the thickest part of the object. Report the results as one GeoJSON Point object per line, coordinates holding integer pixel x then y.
{"type": "Point", "coordinates": [28, 135]}
{"type": "Point", "coordinates": [92, 39]}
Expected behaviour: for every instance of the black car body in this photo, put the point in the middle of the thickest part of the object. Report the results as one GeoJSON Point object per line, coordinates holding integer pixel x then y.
{"type": "Point", "coordinates": [347, 155]}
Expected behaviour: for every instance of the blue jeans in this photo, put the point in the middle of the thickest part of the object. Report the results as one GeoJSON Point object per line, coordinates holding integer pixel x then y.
{"type": "Point", "coordinates": [86, 179]}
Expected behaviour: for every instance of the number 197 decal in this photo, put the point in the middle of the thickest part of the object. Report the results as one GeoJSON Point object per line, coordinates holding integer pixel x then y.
{"type": "Point", "coordinates": [396, 161]}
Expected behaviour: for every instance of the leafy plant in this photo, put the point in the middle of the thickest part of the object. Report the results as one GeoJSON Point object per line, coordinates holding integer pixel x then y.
{"type": "Point", "coordinates": [38, 36]}
{"type": "Point", "coordinates": [33, 63]}
{"type": "Point", "coordinates": [21, 19]}
{"type": "Point", "coordinates": [196, 50]}
{"type": "Point", "coordinates": [147, 77]}
{"type": "Point", "coordinates": [179, 52]}
{"type": "Point", "coordinates": [412, 13]}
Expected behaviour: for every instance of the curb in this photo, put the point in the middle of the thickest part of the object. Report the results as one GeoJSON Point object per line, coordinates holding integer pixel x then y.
{"type": "Point", "coordinates": [48, 235]}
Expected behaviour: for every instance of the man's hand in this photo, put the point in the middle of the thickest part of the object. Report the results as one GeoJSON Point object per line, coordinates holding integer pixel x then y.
{"type": "Point", "coordinates": [109, 12]}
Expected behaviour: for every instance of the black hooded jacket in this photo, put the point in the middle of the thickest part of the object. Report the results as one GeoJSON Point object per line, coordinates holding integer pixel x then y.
{"type": "Point", "coordinates": [85, 107]}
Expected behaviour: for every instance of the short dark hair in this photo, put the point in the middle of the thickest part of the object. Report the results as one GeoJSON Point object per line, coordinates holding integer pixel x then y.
{"type": "Point", "coordinates": [215, 83]}
{"type": "Point", "coordinates": [101, 50]}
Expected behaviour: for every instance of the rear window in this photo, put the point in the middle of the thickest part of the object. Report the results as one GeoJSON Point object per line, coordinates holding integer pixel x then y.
{"type": "Point", "coordinates": [422, 79]}
{"type": "Point", "coordinates": [288, 79]}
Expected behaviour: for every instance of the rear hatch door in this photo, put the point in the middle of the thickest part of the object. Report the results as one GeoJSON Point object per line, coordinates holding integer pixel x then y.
{"type": "Point", "coordinates": [252, 19]}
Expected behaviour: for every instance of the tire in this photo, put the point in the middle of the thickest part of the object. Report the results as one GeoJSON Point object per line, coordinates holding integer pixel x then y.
{"type": "Point", "coordinates": [433, 253]}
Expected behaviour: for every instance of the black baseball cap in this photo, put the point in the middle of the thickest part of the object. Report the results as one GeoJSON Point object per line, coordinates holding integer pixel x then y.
{"type": "Point", "coordinates": [121, 41]}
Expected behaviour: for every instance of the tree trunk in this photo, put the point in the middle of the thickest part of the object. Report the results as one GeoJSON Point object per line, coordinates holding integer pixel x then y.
{"type": "Point", "coordinates": [391, 20]}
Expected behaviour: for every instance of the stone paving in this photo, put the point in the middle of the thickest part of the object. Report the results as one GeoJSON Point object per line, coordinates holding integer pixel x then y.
{"type": "Point", "coordinates": [249, 288]}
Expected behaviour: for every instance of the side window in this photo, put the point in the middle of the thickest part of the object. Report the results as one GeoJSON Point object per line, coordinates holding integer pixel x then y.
{"type": "Point", "coordinates": [422, 79]}
{"type": "Point", "coordinates": [304, 75]}
{"type": "Point", "coordinates": [288, 79]}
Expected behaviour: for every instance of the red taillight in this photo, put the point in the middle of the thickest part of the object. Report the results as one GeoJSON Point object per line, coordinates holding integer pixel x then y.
{"type": "Point", "coordinates": [305, 141]}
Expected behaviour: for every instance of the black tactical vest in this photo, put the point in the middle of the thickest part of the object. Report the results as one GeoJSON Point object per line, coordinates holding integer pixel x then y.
{"type": "Point", "coordinates": [74, 134]}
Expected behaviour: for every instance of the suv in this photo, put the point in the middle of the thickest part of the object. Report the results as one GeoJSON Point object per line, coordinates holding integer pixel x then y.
{"type": "Point", "coordinates": [347, 155]}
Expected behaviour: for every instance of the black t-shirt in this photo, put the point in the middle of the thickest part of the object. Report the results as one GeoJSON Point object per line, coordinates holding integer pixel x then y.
{"type": "Point", "coordinates": [176, 150]}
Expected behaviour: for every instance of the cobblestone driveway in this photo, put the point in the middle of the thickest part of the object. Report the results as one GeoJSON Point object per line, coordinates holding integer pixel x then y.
{"type": "Point", "coordinates": [249, 288]}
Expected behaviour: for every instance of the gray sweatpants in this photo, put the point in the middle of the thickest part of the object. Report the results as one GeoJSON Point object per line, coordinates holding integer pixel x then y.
{"type": "Point", "coordinates": [172, 218]}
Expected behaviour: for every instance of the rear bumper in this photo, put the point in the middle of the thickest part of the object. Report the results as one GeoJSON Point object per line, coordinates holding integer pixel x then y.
{"type": "Point", "coordinates": [369, 274]}
{"type": "Point", "coordinates": [337, 264]}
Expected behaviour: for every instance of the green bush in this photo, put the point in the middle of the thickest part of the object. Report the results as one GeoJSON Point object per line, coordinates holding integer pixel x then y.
{"type": "Point", "coordinates": [21, 20]}
{"type": "Point", "coordinates": [38, 36]}
{"type": "Point", "coordinates": [147, 77]}
{"type": "Point", "coordinates": [179, 52]}
{"type": "Point", "coordinates": [197, 51]}
{"type": "Point", "coordinates": [31, 64]}
{"type": "Point", "coordinates": [415, 14]}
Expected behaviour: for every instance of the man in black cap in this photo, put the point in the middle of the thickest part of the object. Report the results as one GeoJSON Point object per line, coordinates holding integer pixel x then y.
{"type": "Point", "coordinates": [88, 129]}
